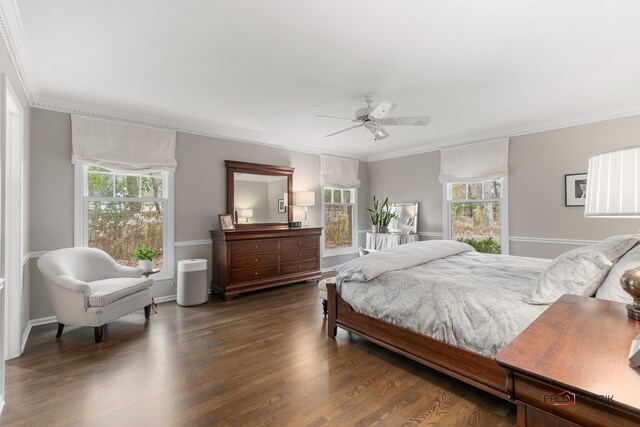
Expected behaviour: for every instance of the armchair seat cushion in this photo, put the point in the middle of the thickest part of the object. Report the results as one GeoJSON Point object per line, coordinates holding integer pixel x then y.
{"type": "Point", "coordinates": [104, 292]}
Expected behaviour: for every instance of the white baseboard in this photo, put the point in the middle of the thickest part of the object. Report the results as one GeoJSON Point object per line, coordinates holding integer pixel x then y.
{"type": "Point", "coordinates": [166, 298]}
{"type": "Point", "coordinates": [25, 336]}
{"type": "Point", "coordinates": [327, 270]}
{"type": "Point", "coordinates": [1, 403]}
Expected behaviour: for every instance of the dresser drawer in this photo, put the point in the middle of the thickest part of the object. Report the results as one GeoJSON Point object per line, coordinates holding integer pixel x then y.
{"type": "Point", "coordinates": [299, 255]}
{"type": "Point", "coordinates": [252, 261]}
{"type": "Point", "coordinates": [298, 267]}
{"type": "Point", "coordinates": [290, 243]}
{"type": "Point", "coordinates": [247, 274]}
{"type": "Point", "coordinates": [254, 246]}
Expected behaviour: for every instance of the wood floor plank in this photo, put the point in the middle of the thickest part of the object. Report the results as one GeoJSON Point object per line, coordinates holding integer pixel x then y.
{"type": "Point", "coordinates": [261, 359]}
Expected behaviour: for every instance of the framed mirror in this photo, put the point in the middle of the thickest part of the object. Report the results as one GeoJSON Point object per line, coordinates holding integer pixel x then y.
{"type": "Point", "coordinates": [406, 221]}
{"type": "Point", "coordinates": [259, 196]}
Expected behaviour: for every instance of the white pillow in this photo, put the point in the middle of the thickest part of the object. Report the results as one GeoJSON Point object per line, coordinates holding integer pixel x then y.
{"type": "Point", "coordinates": [610, 288]}
{"type": "Point", "coordinates": [362, 251]}
{"type": "Point", "coordinates": [580, 271]}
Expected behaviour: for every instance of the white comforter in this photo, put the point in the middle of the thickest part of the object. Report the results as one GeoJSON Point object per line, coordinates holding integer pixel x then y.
{"type": "Point", "coordinates": [469, 299]}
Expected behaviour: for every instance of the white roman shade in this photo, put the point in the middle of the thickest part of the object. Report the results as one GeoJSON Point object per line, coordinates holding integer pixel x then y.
{"type": "Point", "coordinates": [475, 162]}
{"type": "Point", "coordinates": [337, 172]}
{"type": "Point", "coordinates": [121, 146]}
{"type": "Point", "coordinates": [613, 184]}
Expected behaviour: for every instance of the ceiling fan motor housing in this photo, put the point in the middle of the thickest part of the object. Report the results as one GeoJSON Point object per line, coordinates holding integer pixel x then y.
{"type": "Point", "coordinates": [363, 113]}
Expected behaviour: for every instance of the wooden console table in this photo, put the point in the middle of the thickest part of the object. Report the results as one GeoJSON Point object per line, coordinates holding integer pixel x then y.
{"type": "Point", "coordinates": [570, 366]}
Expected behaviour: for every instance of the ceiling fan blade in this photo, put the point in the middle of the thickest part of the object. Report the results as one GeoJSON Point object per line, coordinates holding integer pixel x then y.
{"type": "Point", "coordinates": [406, 121]}
{"type": "Point", "coordinates": [344, 130]}
{"type": "Point", "coordinates": [382, 110]}
{"type": "Point", "coordinates": [337, 118]}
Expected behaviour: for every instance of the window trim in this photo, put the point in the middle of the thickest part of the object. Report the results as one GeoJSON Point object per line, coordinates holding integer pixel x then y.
{"type": "Point", "coordinates": [81, 218]}
{"type": "Point", "coordinates": [353, 249]}
{"type": "Point", "coordinates": [504, 212]}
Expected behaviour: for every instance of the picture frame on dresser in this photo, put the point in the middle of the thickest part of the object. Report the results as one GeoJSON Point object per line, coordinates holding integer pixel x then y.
{"type": "Point", "coordinates": [226, 222]}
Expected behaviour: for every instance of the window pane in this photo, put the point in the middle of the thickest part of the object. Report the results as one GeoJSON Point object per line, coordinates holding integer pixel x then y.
{"type": "Point", "coordinates": [458, 191]}
{"type": "Point", "coordinates": [347, 196]}
{"type": "Point", "coordinates": [100, 185]}
{"type": "Point", "coordinates": [338, 220]}
{"type": "Point", "coordinates": [475, 191]}
{"type": "Point", "coordinates": [477, 224]}
{"type": "Point", "coordinates": [118, 227]}
{"type": "Point", "coordinates": [492, 189]}
{"type": "Point", "coordinates": [127, 186]}
{"type": "Point", "coordinates": [327, 195]}
{"type": "Point", "coordinates": [151, 187]}
{"type": "Point", "coordinates": [337, 196]}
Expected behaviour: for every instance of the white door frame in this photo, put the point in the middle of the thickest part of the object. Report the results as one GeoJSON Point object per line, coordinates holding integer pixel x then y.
{"type": "Point", "coordinates": [12, 124]}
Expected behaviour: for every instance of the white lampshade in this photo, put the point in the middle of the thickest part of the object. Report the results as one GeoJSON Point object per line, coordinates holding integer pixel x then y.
{"type": "Point", "coordinates": [613, 184]}
{"type": "Point", "coordinates": [305, 198]}
{"type": "Point", "coordinates": [246, 213]}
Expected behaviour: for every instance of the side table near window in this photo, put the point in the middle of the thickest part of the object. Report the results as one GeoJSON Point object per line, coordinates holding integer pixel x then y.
{"type": "Point", "coordinates": [154, 306]}
{"type": "Point", "coordinates": [387, 240]}
{"type": "Point", "coordinates": [570, 366]}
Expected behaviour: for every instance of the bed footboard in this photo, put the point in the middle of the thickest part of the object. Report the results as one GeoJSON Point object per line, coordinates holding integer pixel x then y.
{"type": "Point", "coordinates": [473, 368]}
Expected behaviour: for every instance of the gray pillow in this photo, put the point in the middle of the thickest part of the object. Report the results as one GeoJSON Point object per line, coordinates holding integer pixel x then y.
{"type": "Point", "coordinates": [580, 271]}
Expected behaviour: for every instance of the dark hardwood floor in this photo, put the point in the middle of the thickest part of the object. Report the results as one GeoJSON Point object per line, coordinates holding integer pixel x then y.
{"type": "Point", "coordinates": [261, 359]}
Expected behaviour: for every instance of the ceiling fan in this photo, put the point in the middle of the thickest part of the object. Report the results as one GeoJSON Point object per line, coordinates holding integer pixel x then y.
{"type": "Point", "coordinates": [373, 118]}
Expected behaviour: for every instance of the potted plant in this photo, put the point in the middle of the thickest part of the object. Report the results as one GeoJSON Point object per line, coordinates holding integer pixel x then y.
{"type": "Point", "coordinates": [381, 215]}
{"type": "Point", "coordinates": [145, 255]}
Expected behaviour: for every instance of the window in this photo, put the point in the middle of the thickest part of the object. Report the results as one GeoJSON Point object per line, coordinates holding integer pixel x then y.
{"type": "Point", "coordinates": [122, 211]}
{"type": "Point", "coordinates": [476, 213]}
{"type": "Point", "coordinates": [339, 221]}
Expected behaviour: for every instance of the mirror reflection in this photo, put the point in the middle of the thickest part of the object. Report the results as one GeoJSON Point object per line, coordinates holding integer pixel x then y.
{"type": "Point", "coordinates": [406, 220]}
{"type": "Point", "coordinates": [260, 198]}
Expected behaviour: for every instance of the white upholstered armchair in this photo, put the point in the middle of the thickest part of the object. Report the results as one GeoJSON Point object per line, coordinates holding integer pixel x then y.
{"type": "Point", "coordinates": [89, 288]}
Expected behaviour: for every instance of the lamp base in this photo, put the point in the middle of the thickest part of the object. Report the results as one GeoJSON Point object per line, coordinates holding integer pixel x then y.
{"type": "Point", "coordinates": [630, 282]}
{"type": "Point", "coordinates": [633, 311]}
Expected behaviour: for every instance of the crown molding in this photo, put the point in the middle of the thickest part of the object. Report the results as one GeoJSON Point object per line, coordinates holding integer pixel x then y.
{"type": "Point", "coordinates": [602, 116]}
{"type": "Point", "coordinates": [11, 29]}
{"type": "Point", "coordinates": [202, 130]}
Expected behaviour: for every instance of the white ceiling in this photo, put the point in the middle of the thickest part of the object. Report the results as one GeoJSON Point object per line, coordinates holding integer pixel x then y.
{"type": "Point", "coordinates": [261, 70]}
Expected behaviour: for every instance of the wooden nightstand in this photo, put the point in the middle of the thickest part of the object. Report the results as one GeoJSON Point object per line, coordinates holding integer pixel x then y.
{"type": "Point", "coordinates": [579, 346]}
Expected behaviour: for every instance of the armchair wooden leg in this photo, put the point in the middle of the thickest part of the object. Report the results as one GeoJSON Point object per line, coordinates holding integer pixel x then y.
{"type": "Point", "coordinates": [60, 328]}
{"type": "Point", "coordinates": [147, 311]}
{"type": "Point", "coordinates": [324, 308]}
{"type": "Point", "coordinates": [97, 332]}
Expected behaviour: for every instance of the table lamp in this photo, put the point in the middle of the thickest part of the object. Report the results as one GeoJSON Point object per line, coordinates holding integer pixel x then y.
{"type": "Point", "coordinates": [306, 199]}
{"type": "Point", "coordinates": [246, 214]}
{"type": "Point", "coordinates": [613, 191]}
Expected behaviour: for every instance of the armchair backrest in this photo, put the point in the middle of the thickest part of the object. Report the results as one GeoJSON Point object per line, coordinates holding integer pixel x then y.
{"type": "Point", "coordinates": [85, 264]}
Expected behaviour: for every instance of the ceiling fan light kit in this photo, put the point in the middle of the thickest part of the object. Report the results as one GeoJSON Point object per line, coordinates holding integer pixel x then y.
{"type": "Point", "coordinates": [373, 118]}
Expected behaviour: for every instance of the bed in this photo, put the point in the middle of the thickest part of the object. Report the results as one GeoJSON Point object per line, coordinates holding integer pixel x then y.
{"type": "Point", "coordinates": [445, 305]}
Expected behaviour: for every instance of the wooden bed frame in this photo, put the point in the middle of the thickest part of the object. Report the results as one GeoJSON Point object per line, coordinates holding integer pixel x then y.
{"type": "Point", "coordinates": [473, 368]}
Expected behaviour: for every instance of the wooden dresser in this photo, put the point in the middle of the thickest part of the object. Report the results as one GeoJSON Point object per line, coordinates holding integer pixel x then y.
{"type": "Point", "coordinates": [570, 366]}
{"type": "Point", "coordinates": [250, 259]}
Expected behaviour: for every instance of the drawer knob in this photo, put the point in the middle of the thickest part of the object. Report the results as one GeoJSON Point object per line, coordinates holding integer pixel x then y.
{"type": "Point", "coordinates": [256, 259]}
{"type": "Point", "coordinates": [255, 274]}
{"type": "Point", "coordinates": [299, 267]}
{"type": "Point", "coordinates": [256, 246]}
{"type": "Point", "coordinates": [299, 243]}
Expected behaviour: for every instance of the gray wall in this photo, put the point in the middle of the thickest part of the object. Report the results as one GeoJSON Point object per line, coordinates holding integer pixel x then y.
{"type": "Point", "coordinates": [537, 165]}
{"type": "Point", "coordinates": [200, 193]}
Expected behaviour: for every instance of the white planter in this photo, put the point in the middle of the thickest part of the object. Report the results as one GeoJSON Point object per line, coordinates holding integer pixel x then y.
{"type": "Point", "coordinates": [146, 265]}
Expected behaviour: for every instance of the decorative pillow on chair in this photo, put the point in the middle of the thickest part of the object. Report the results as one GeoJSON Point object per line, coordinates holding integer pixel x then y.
{"type": "Point", "coordinates": [580, 271]}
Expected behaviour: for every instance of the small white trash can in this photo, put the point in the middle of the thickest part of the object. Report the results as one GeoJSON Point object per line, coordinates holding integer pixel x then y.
{"type": "Point", "coordinates": [192, 282]}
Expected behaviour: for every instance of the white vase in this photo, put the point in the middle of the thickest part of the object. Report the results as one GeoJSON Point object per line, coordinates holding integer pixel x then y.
{"type": "Point", "coordinates": [146, 264]}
